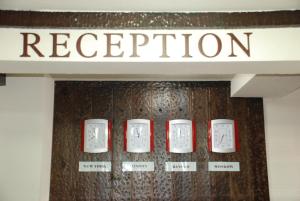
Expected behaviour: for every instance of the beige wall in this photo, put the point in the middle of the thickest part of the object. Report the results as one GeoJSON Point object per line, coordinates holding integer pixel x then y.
{"type": "Point", "coordinates": [282, 122]}
{"type": "Point", "coordinates": [26, 112]}
{"type": "Point", "coordinates": [26, 106]}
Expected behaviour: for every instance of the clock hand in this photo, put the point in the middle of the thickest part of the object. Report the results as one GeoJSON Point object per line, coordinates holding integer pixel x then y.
{"type": "Point", "coordinates": [96, 131]}
{"type": "Point", "coordinates": [178, 132]}
{"type": "Point", "coordinates": [93, 134]}
{"type": "Point", "coordinates": [138, 132]}
{"type": "Point", "coordinates": [221, 139]}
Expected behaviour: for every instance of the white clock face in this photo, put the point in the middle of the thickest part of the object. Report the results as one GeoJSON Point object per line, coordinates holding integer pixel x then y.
{"type": "Point", "coordinates": [96, 136]}
{"type": "Point", "coordinates": [223, 137]}
{"type": "Point", "coordinates": [138, 136]}
{"type": "Point", "coordinates": [181, 136]}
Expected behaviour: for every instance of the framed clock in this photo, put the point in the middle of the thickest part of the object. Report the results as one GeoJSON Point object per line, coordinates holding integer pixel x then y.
{"type": "Point", "coordinates": [95, 135]}
{"type": "Point", "coordinates": [223, 136]}
{"type": "Point", "coordinates": [139, 136]}
{"type": "Point", "coordinates": [180, 136]}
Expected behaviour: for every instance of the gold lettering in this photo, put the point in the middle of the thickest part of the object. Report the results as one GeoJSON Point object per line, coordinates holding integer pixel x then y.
{"type": "Point", "coordinates": [164, 43]}
{"type": "Point", "coordinates": [134, 43]}
{"type": "Point", "coordinates": [109, 44]}
{"type": "Point", "coordinates": [187, 45]}
{"type": "Point", "coordinates": [33, 44]}
{"type": "Point", "coordinates": [219, 44]}
{"type": "Point", "coordinates": [78, 45]}
{"type": "Point", "coordinates": [55, 44]}
{"type": "Point", "coordinates": [238, 42]}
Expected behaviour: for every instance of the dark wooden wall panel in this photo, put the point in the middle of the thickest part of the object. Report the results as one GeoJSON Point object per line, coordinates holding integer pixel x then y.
{"type": "Point", "coordinates": [200, 115]}
{"type": "Point", "coordinates": [122, 181]}
{"type": "Point", "coordinates": [149, 19]}
{"type": "Point", "coordinates": [161, 110]}
{"type": "Point", "coordinates": [141, 108]}
{"type": "Point", "coordinates": [182, 181]}
{"type": "Point", "coordinates": [218, 109]}
{"type": "Point", "coordinates": [159, 101]}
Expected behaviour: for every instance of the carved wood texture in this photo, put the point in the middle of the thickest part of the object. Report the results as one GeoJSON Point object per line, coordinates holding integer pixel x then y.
{"type": "Point", "coordinates": [159, 101]}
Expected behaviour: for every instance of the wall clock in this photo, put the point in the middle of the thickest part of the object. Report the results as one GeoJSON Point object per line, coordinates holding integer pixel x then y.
{"type": "Point", "coordinates": [139, 136]}
{"type": "Point", "coordinates": [223, 136]}
{"type": "Point", "coordinates": [181, 136]}
{"type": "Point", "coordinates": [95, 135]}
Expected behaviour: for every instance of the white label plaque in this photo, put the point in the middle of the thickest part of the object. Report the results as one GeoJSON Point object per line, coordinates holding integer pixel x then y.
{"type": "Point", "coordinates": [94, 166]}
{"type": "Point", "coordinates": [181, 166]}
{"type": "Point", "coordinates": [224, 166]}
{"type": "Point", "coordinates": [138, 166]}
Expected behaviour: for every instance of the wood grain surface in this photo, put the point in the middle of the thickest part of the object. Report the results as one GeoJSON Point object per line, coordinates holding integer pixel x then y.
{"type": "Point", "coordinates": [155, 20]}
{"type": "Point", "coordinates": [160, 101]}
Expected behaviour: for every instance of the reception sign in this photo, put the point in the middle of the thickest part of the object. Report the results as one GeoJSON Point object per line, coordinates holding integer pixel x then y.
{"type": "Point", "coordinates": [104, 45]}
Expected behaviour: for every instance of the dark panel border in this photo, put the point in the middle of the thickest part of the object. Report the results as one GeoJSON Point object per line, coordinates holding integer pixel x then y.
{"type": "Point", "coordinates": [143, 84]}
{"type": "Point", "coordinates": [143, 20]}
{"type": "Point", "coordinates": [2, 79]}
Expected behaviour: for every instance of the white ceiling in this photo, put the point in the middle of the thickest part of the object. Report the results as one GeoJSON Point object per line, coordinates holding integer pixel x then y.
{"type": "Point", "coordinates": [150, 6]}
